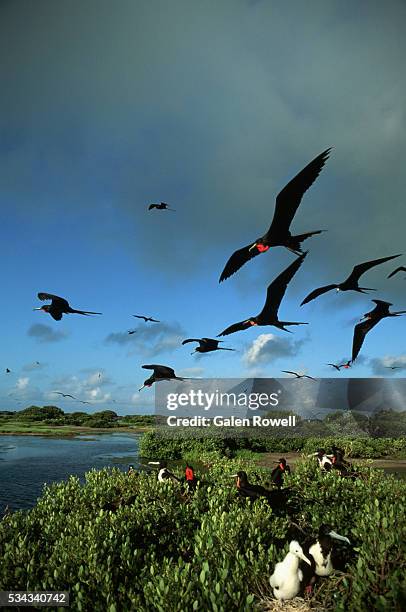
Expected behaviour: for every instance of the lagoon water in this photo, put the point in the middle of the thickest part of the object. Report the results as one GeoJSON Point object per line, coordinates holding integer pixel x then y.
{"type": "Point", "coordinates": [27, 462]}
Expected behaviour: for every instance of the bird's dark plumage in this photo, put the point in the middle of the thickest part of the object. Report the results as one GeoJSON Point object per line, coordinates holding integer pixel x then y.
{"type": "Point", "coordinates": [372, 318]}
{"type": "Point", "coordinates": [298, 375]}
{"type": "Point", "coordinates": [274, 296]}
{"type": "Point", "coordinates": [146, 319]}
{"type": "Point", "coordinates": [207, 345]}
{"type": "Point", "coordinates": [278, 234]}
{"type": "Point", "coordinates": [161, 372]}
{"type": "Point", "coordinates": [351, 282]}
{"type": "Point", "coordinates": [400, 269]}
{"type": "Point", "coordinates": [59, 306]}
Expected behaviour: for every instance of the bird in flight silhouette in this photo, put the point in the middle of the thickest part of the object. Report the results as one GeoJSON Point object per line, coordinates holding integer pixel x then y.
{"type": "Point", "coordinates": [350, 283]}
{"type": "Point", "coordinates": [278, 234]}
{"type": "Point", "coordinates": [400, 269]}
{"type": "Point", "coordinates": [59, 306]}
{"type": "Point", "coordinates": [146, 319]}
{"type": "Point", "coordinates": [161, 206]}
{"type": "Point", "coordinates": [274, 296]}
{"type": "Point", "coordinates": [161, 372]}
{"type": "Point", "coordinates": [372, 318]}
{"type": "Point", "coordinates": [298, 375]}
{"type": "Point", "coordinates": [206, 345]}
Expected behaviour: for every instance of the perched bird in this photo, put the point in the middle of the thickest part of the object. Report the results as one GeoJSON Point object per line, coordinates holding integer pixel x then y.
{"type": "Point", "coordinates": [146, 319]}
{"type": "Point", "coordinates": [274, 296]}
{"type": "Point", "coordinates": [323, 459]}
{"type": "Point", "coordinates": [278, 234]}
{"type": "Point", "coordinates": [59, 306]}
{"type": "Point", "coordinates": [298, 375]}
{"type": "Point", "coordinates": [400, 269]}
{"type": "Point", "coordinates": [372, 318]}
{"type": "Point", "coordinates": [160, 373]}
{"type": "Point", "coordinates": [351, 282]}
{"type": "Point", "coordinates": [278, 499]}
{"type": "Point", "coordinates": [161, 206]}
{"type": "Point", "coordinates": [165, 474]}
{"type": "Point", "coordinates": [287, 576]}
{"type": "Point", "coordinates": [319, 549]}
{"type": "Point", "coordinates": [279, 472]}
{"type": "Point", "coordinates": [206, 345]}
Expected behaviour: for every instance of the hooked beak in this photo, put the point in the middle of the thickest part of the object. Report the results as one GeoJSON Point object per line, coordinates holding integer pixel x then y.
{"type": "Point", "coordinates": [233, 476]}
{"type": "Point", "coordinates": [141, 388]}
{"type": "Point", "coordinates": [304, 558]}
{"type": "Point", "coordinates": [337, 536]}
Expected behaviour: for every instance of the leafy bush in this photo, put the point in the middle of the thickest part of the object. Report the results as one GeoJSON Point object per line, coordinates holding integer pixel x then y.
{"type": "Point", "coordinates": [163, 550]}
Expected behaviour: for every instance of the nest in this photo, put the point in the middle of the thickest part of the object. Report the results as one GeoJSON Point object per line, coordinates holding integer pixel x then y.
{"type": "Point", "coordinates": [298, 604]}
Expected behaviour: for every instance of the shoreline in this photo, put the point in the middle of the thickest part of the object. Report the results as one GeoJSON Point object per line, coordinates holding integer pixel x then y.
{"type": "Point", "coordinates": [71, 432]}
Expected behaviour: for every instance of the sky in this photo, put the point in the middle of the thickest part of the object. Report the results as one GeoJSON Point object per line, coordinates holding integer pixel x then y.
{"type": "Point", "coordinates": [212, 107]}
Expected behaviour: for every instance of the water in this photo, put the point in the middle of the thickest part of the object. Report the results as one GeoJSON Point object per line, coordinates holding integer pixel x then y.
{"type": "Point", "coordinates": [26, 462]}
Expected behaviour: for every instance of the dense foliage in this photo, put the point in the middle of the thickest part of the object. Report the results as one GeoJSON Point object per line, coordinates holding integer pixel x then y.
{"type": "Point", "coordinates": [158, 548]}
{"type": "Point", "coordinates": [52, 415]}
{"type": "Point", "coordinates": [186, 444]}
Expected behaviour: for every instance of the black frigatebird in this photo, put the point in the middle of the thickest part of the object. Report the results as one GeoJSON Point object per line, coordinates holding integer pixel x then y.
{"type": "Point", "coordinates": [274, 296]}
{"type": "Point", "coordinates": [59, 306]}
{"type": "Point", "coordinates": [161, 372]}
{"type": "Point", "coordinates": [393, 367]}
{"type": "Point", "coordinates": [334, 365]}
{"type": "Point", "coordinates": [65, 395]}
{"type": "Point", "coordinates": [146, 319]}
{"type": "Point", "coordinates": [206, 345]}
{"type": "Point", "coordinates": [350, 283]}
{"type": "Point", "coordinates": [400, 269]}
{"type": "Point", "coordinates": [8, 371]}
{"type": "Point", "coordinates": [132, 331]}
{"type": "Point", "coordinates": [278, 234]}
{"type": "Point", "coordinates": [160, 206]}
{"type": "Point", "coordinates": [372, 318]}
{"type": "Point", "coordinates": [298, 375]}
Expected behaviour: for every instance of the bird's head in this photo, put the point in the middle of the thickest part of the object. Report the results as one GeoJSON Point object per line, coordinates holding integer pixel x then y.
{"type": "Point", "coordinates": [259, 246]}
{"type": "Point", "coordinates": [148, 383]}
{"type": "Point", "coordinates": [297, 550]}
{"type": "Point", "coordinates": [44, 308]}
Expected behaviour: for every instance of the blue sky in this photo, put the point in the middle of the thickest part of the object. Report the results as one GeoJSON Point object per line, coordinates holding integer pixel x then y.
{"type": "Point", "coordinates": [211, 107]}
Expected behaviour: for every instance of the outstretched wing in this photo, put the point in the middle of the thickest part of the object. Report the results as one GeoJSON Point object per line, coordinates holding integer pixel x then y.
{"type": "Point", "coordinates": [400, 269]}
{"type": "Point", "coordinates": [360, 331]}
{"type": "Point", "coordinates": [57, 301]}
{"type": "Point", "coordinates": [288, 200]}
{"type": "Point", "coordinates": [361, 268]}
{"type": "Point", "coordinates": [140, 317]}
{"type": "Point", "coordinates": [314, 294]}
{"type": "Point", "coordinates": [237, 260]}
{"type": "Point", "coordinates": [160, 370]}
{"type": "Point", "coordinates": [277, 289]}
{"type": "Point", "coordinates": [290, 372]}
{"type": "Point", "coordinates": [191, 340]}
{"type": "Point", "coordinates": [151, 206]}
{"type": "Point", "coordinates": [236, 327]}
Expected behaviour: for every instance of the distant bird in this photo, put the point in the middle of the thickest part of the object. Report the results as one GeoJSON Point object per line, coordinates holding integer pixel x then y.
{"type": "Point", "coordinates": [146, 319]}
{"type": "Point", "coordinates": [298, 375]}
{"type": "Point", "coordinates": [400, 269]}
{"type": "Point", "coordinates": [287, 577]}
{"type": "Point", "coordinates": [279, 472]}
{"type": "Point", "coordinates": [346, 365]}
{"type": "Point", "coordinates": [278, 234]}
{"type": "Point", "coordinates": [65, 395]}
{"type": "Point", "coordinates": [59, 306]}
{"type": "Point", "coordinates": [161, 206]}
{"type": "Point", "coordinates": [206, 345]}
{"type": "Point", "coordinates": [274, 296]}
{"type": "Point", "coordinates": [8, 371]}
{"type": "Point", "coordinates": [334, 365]}
{"type": "Point", "coordinates": [160, 373]}
{"type": "Point", "coordinates": [132, 331]}
{"type": "Point", "coordinates": [372, 318]}
{"type": "Point", "coordinates": [83, 402]}
{"type": "Point", "coordinates": [351, 282]}
{"type": "Point", "coordinates": [393, 367]}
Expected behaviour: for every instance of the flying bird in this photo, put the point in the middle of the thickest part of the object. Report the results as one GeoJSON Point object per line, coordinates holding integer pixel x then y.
{"type": "Point", "coordinates": [274, 296]}
{"type": "Point", "coordinates": [206, 345]}
{"type": "Point", "coordinates": [278, 234]}
{"type": "Point", "coordinates": [372, 318]}
{"type": "Point", "coordinates": [132, 331]}
{"type": "Point", "coordinates": [351, 282]}
{"type": "Point", "coordinates": [161, 372]}
{"type": "Point", "coordinates": [161, 206]}
{"type": "Point", "coordinates": [59, 306]}
{"type": "Point", "coordinates": [8, 371]}
{"type": "Point", "coordinates": [146, 319]}
{"type": "Point", "coordinates": [298, 375]}
{"type": "Point", "coordinates": [65, 395]}
{"type": "Point", "coordinates": [393, 367]}
{"type": "Point", "coordinates": [400, 269]}
{"type": "Point", "coordinates": [334, 365]}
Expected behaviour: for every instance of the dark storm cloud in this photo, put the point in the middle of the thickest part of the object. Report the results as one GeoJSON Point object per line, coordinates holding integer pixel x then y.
{"type": "Point", "coordinates": [150, 339]}
{"type": "Point", "coordinates": [44, 333]}
{"type": "Point", "coordinates": [210, 107]}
